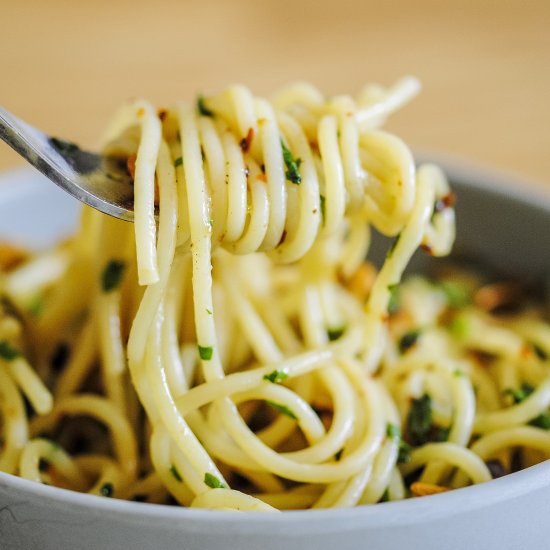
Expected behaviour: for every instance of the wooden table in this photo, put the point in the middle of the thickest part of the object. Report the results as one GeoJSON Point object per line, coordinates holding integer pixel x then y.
{"type": "Point", "coordinates": [485, 65]}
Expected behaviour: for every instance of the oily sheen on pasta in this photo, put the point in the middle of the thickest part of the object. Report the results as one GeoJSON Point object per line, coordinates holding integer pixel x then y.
{"type": "Point", "coordinates": [238, 351]}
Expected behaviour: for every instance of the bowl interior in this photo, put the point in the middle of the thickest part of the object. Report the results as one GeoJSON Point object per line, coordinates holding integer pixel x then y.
{"type": "Point", "coordinates": [500, 221]}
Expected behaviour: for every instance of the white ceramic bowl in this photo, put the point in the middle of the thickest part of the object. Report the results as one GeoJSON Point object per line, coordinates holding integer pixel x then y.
{"type": "Point", "coordinates": [501, 221]}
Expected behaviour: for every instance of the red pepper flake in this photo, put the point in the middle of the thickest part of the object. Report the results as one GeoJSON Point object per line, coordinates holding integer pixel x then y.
{"type": "Point", "coordinates": [447, 201]}
{"type": "Point", "coordinates": [427, 249]}
{"type": "Point", "coordinates": [526, 351]}
{"type": "Point", "coordinates": [161, 113]}
{"type": "Point", "coordinates": [131, 165]}
{"type": "Point", "coordinates": [492, 296]}
{"type": "Point", "coordinates": [246, 141]}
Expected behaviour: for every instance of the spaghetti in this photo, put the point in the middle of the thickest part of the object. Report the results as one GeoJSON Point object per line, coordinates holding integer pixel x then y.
{"type": "Point", "coordinates": [242, 354]}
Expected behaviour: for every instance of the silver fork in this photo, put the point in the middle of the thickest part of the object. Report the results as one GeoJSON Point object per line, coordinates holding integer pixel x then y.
{"type": "Point", "coordinates": [103, 182]}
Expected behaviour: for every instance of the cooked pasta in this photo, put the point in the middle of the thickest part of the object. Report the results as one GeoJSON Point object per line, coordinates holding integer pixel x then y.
{"type": "Point", "coordinates": [234, 348]}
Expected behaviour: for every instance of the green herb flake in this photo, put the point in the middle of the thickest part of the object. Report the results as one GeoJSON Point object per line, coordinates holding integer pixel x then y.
{"type": "Point", "coordinates": [520, 394]}
{"type": "Point", "coordinates": [539, 352]}
{"type": "Point", "coordinates": [457, 294]}
{"type": "Point", "coordinates": [459, 373]}
{"type": "Point", "coordinates": [392, 430]}
{"type": "Point", "coordinates": [404, 449]}
{"type": "Point", "coordinates": [323, 201]}
{"type": "Point", "coordinates": [408, 340]}
{"type": "Point", "coordinates": [112, 275]}
{"type": "Point", "coordinates": [292, 166]}
{"type": "Point", "coordinates": [541, 421]}
{"type": "Point", "coordinates": [178, 162]}
{"type": "Point", "coordinates": [283, 409]}
{"type": "Point", "coordinates": [393, 302]}
{"type": "Point", "coordinates": [8, 352]}
{"type": "Point", "coordinates": [175, 473]}
{"type": "Point", "coordinates": [335, 333]}
{"type": "Point", "coordinates": [440, 434]}
{"type": "Point", "coordinates": [276, 376]}
{"type": "Point", "coordinates": [460, 327]}
{"type": "Point", "coordinates": [206, 352]}
{"type": "Point", "coordinates": [106, 490]}
{"type": "Point", "coordinates": [209, 311]}
{"type": "Point", "coordinates": [213, 482]}
{"type": "Point", "coordinates": [202, 108]}
{"type": "Point", "coordinates": [404, 452]}
{"type": "Point", "coordinates": [419, 419]}
{"type": "Point", "coordinates": [36, 306]}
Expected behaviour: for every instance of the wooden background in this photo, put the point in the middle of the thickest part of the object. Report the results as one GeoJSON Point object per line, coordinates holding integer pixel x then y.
{"type": "Point", "coordinates": [485, 65]}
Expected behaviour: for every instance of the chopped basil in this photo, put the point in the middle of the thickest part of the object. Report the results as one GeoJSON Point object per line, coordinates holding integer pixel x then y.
{"type": "Point", "coordinates": [292, 166]}
{"type": "Point", "coordinates": [392, 430]}
{"type": "Point", "coordinates": [419, 419]}
{"type": "Point", "coordinates": [283, 409]}
{"type": "Point", "coordinates": [36, 306]}
{"type": "Point", "coordinates": [520, 394]}
{"type": "Point", "coordinates": [213, 482]}
{"type": "Point", "coordinates": [106, 490]}
{"type": "Point", "coordinates": [540, 353]}
{"type": "Point", "coordinates": [322, 201]}
{"type": "Point", "coordinates": [175, 473]}
{"type": "Point", "coordinates": [8, 352]}
{"type": "Point", "coordinates": [276, 376]}
{"type": "Point", "coordinates": [457, 294]}
{"type": "Point", "coordinates": [202, 108]}
{"type": "Point", "coordinates": [335, 333]}
{"type": "Point", "coordinates": [420, 429]}
{"type": "Point", "coordinates": [393, 302]}
{"type": "Point", "coordinates": [209, 311]}
{"type": "Point", "coordinates": [440, 434]}
{"type": "Point", "coordinates": [178, 162]}
{"type": "Point", "coordinates": [404, 452]}
{"type": "Point", "coordinates": [112, 275]}
{"type": "Point", "coordinates": [206, 352]}
{"type": "Point", "coordinates": [460, 326]}
{"type": "Point", "coordinates": [541, 421]}
{"type": "Point", "coordinates": [404, 449]}
{"type": "Point", "coordinates": [408, 340]}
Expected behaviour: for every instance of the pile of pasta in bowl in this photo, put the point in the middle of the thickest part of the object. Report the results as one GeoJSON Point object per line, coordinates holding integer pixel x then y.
{"type": "Point", "coordinates": [239, 350]}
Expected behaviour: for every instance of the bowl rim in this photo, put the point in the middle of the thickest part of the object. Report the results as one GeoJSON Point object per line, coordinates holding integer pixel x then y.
{"type": "Point", "coordinates": [399, 513]}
